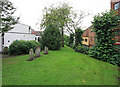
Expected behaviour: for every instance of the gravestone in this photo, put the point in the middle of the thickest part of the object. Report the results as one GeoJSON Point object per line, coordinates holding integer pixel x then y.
{"type": "Point", "coordinates": [37, 52]}
{"type": "Point", "coordinates": [46, 50]}
{"type": "Point", "coordinates": [31, 57]}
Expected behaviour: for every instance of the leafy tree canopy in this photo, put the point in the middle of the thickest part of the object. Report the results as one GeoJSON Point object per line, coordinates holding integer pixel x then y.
{"type": "Point", "coordinates": [7, 20]}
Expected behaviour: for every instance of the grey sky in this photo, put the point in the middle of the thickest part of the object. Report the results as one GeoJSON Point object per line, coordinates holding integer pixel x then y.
{"type": "Point", "coordinates": [31, 10]}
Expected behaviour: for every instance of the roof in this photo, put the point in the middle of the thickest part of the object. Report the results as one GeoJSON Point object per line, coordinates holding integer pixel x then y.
{"type": "Point", "coordinates": [86, 32]}
{"type": "Point", "coordinates": [24, 24]}
{"type": "Point", "coordinates": [37, 33]}
{"type": "Point", "coordinates": [115, 0]}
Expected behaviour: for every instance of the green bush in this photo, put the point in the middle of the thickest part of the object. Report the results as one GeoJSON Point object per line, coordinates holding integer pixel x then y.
{"type": "Point", "coordinates": [32, 44]}
{"type": "Point", "coordinates": [66, 40]}
{"type": "Point", "coordinates": [51, 38]}
{"type": "Point", "coordinates": [22, 47]}
{"type": "Point", "coordinates": [41, 45]}
{"type": "Point", "coordinates": [78, 36]}
{"type": "Point", "coordinates": [71, 40]}
{"type": "Point", "coordinates": [73, 45]}
{"type": "Point", "coordinates": [82, 49]}
{"type": "Point", "coordinates": [5, 50]}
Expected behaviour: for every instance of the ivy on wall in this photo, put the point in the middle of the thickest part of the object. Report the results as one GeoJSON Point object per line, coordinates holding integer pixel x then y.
{"type": "Point", "coordinates": [104, 25]}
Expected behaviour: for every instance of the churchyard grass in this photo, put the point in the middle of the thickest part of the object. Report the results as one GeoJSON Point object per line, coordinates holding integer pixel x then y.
{"type": "Point", "coordinates": [62, 67]}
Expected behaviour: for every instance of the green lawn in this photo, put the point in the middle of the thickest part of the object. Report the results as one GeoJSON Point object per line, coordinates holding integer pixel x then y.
{"type": "Point", "coordinates": [63, 67]}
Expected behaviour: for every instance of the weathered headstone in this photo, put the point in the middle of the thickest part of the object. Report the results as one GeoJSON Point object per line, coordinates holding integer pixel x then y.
{"type": "Point", "coordinates": [37, 52]}
{"type": "Point", "coordinates": [31, 55]}
{"type": "Point", "coordinates": [46, 50]}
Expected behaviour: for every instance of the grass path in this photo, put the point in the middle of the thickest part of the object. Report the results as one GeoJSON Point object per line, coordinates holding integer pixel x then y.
{"type": "Point", "coordinates": [63, 67]}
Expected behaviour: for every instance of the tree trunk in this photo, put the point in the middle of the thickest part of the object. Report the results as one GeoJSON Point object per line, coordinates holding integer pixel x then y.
{"type": "Point", "coordinates": [62, 38]}
{"type": "Point", "coordinates": [75, 42]}
{"type": "Point", "coordinates": [75, 39]}
{"type": "Point", "coordinates": [2, 40]}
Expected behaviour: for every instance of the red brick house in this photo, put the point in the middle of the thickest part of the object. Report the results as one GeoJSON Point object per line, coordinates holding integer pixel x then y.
{"type": "Point", "coordinates": [115, 5]}
{"type": "Point", "coordinates": [89, 34]}
{"type": "Point", "coordinates": [88, 37]}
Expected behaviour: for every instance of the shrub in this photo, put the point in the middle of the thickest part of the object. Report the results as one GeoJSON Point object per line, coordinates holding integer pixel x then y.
{"type": "Point", "coordinates": [22, 47]}
{"type": "Point", "coordinates": [71, 40]}
{"type": "Point", "coordinates": [82, 49]}
{"type": "Point", "coordinates": [73, 45]}
{"type": "Point", "coordinates": [78, 36]}
{"type": "Point", "coordinates": [66, 40]}
{"type": "Point", "coordinates": [41, 45]}
{"type": "Point", "coordinates": [32, 44]}
{"type": "Point", "coordinates": [5, 50]}
{"type": "Point", "coordinates": [51, 38]}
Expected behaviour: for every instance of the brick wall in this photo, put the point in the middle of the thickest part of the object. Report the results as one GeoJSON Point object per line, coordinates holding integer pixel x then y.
{"type": "Point", "coordinates": [113, 2]}
{"type": "Point", "coordinates": [90, 35]}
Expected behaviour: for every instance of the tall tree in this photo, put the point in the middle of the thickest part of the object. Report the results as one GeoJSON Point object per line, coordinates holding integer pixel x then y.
{"type": "Point", "coordinates": [71, 39]}
{"type": "Point", "coordinates": [51, 37]}
{"type": "Point", "coordinates": [7, 20]}
{"type": "Point", "coordinates": [78, 36]}
{"type": "Point", "coordinates": [74, 25]}
{"type": "Point", "coordinates": [58, 16]}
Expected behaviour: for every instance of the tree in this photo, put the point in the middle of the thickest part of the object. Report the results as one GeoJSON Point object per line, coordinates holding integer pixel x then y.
{"type": "Point", "coordinates": [104, 26]}
{"type": "Point", "coordinates": [66, 40]}
{"type": "Point", "coordinates": [51, 37]}
{"type": "Point", "coordinates": [74, 25]}
{"type": "Point", "coordinates": [78, 36]}
{"type": "Point", "coordinates": [58, 16]}
{"type": "Point", "coordinates": [76, 20]}
{"type": "Point", "coordinates": [71, 39]}
{"type": "Point", "coordinates": [7, 20]}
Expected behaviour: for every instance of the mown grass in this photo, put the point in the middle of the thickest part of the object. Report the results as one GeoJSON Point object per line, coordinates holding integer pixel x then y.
{"type": "Point", "coordinates": [63, 67]}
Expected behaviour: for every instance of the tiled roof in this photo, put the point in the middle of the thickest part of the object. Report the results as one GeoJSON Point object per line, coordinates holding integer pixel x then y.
{"type": "Point", "coordinates": [37, 33]}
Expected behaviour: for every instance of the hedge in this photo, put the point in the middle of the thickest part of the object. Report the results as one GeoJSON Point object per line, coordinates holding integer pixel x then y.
{"type": "Point", "coordinates": [22, 47]}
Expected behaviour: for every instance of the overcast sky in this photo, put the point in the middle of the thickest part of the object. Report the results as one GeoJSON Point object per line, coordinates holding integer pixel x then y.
{"type": "Point", "coordinates": [30, 11]}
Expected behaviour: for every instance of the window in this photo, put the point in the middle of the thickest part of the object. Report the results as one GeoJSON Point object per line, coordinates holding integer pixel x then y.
{"type": "Point", "coordinates": [3, 40]}
{"type": "Point", "coordinates": [91, 30]}
{"type": "Point", "coordinates": [117, 32]}
{"type": "Point", "coordinates": [29, 29]}
{"type": "Point", "coordinates": [39, 39]}
{"type": "Point", "coordinates": [116, 6]}
{"type": "Point", "coordinates": [35, 38]}
{"type": "Point", "coordinates": [91, 38]}
{"type": "Point", "coordinates": [87, 34]}
{"type": "Point", "coordinates": [85, 40]}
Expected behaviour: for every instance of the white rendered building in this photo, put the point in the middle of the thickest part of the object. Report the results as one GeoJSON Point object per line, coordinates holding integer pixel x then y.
{"type": "Point", "coordinates": [19, 32]}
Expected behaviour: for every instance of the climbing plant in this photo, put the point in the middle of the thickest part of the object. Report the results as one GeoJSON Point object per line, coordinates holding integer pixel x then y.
{"type": "Point", "coordinates": [104, 25]}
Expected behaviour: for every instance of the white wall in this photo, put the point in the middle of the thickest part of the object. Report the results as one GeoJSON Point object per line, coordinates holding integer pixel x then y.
{"type": "Point", "coordinates": [20, 28]}
{"type": "Point", "coordinates": [10, 37]}
{"type": "Point", "coordinates": [19, 32]}
{"type": "Point", "coordinates": [37, 37]}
